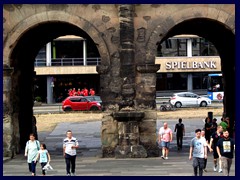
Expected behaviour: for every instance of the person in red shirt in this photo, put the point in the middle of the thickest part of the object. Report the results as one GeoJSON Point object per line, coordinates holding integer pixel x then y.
{"type": "Point", "coordinates": [85, 92]}
{"type": "Point", "coordinates": [92, 92]}
{"type": "Point", "coordinates": [73, 92]}
{"type": "Point", "coordinates": [79, 93]}
{"type": "Point", "coordinates": [70, 92]}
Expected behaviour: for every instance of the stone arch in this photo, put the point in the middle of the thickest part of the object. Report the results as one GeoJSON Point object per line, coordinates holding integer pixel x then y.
{"type": "Point", "coordinates": [205, 12]}
{"type": "Point", "coordinates": [19, 53]}
{"type": "Point", "coordinates": [219, 31]}
{"type": "Point", "coordinates": [50, 16]}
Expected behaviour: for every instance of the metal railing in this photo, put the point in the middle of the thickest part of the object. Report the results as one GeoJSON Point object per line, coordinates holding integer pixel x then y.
{"type": "Point", "coordinates": [68, 62]}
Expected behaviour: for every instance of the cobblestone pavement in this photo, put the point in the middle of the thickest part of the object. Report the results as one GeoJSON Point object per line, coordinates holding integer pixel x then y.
{"type": "Point", "coordinates": [90, 163]}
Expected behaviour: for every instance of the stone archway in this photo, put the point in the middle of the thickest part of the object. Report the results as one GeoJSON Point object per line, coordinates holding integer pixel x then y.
{"type": "Point", "coordinates": [224, 40]}
{"type": "Point", "coordinates": [19, 74]}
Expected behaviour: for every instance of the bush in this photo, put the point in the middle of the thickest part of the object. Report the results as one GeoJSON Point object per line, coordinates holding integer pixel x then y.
{"type": "Point", "coordinates": [38, 99]}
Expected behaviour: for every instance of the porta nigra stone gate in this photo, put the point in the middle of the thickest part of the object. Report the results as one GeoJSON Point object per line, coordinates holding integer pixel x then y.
{"type": "Point", "coordinates": [127, 37]}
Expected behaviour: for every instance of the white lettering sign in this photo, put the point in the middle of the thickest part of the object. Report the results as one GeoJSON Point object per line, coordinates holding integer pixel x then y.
{"type": "Point", "coordinates": [184, 65]}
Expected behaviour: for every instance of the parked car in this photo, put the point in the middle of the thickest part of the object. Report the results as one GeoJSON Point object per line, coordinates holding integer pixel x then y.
{"type": "Point", "coordinates": [94, 98]}
{"type": "Point", "coordinates": [80, 103]}
{"type": "Point", "coordinates": [189, 99]}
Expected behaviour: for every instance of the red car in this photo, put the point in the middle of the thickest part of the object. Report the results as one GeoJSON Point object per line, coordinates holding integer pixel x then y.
{"type": "Point", "coordinates": [80, 103]}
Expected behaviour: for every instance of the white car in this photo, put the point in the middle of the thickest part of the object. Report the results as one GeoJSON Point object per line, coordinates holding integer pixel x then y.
{"type": "Point", "coordinates": [189, 99]}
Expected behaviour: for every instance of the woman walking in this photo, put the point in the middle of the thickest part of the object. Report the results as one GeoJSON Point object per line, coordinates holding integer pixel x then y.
{"type": "Point", "coordinates": [31, 151]}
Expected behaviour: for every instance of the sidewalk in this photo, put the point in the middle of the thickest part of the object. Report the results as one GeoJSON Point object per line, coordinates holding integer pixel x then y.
{"type": "Point", "coordinates": [90, 163]}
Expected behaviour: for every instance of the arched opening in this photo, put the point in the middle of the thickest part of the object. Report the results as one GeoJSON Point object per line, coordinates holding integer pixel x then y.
{"type": "Point", "coordinates": [223, 38]}
{"type": "Point", "coordinates": [22, 61]}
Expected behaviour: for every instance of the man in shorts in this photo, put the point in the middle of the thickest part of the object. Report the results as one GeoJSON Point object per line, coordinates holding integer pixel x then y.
{"type": "Point", "coordinates": [165, 137]}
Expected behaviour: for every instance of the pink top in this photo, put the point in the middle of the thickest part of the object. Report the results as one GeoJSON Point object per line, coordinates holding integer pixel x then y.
{"type": "Point", "coordinates": [165, 134]}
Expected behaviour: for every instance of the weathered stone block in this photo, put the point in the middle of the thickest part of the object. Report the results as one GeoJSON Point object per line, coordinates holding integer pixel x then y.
{"type": "Point", "coordinates": [109, 126]}
{"type": "Point", "coordinates": [150, 115]}
{"type": "Point", "coordinates": [136, 151]}
{"type": "Point", "coordinates": [148, 138]}
{"type": "Point", "coordinates": [108, 152]}
{"type": "Point", "coordinates": [147, 126]}
{"type": "Point", "coordinates": [109, 139]}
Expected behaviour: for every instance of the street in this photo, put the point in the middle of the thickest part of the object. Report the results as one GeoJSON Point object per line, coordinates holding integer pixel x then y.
{"type": "Point", "coordinates": [90, 163]}
{"type": "Point", "coordinates": [57, 107]}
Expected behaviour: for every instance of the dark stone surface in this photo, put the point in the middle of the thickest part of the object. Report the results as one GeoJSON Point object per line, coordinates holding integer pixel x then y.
{"type": "Point", "coordinates": [128, 116]}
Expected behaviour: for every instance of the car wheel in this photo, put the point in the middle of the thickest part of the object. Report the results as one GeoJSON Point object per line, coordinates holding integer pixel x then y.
{"type": "Point", "coordinates": [94, 108]}
{"type": "Point", "coordinates": [68, 109]}
{"type": "Point", "coordinates": [203, 104]}
{"type": "Point", "coordinates": [162, 108]}
{"type": "Point", "coordinates": [178, 104]}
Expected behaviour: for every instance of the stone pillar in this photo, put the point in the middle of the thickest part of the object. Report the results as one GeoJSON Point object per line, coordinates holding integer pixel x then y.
{"type": "Point", "coordinates": [127, 72]}
{"type": "Point", "coordinates": [128, 90]}
{"type": "Point", "coordinates": [146, 86]}
{"type": "Point", "coordinates": [109, 135]}
{"type": "Point", "coordinates": [129, 144]}
{"type": "Point", "coordinates": [9, 146]}
{"type": "Point", "coordinates": [145, 99]}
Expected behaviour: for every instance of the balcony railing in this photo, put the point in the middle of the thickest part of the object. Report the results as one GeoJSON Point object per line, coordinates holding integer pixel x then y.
{"type": "Point", "coordinates": [68, 62]}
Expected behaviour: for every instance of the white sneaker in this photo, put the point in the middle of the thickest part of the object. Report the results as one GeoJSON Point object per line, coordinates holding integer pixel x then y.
{"type": "Point", "coordinates": [162, 157]}
{"type": "Point", "coordinates": [166, 157]}
{"type": "Point", "coordinates": [215, 168]}
{"type": "Point", "coordinates": [220, 170]}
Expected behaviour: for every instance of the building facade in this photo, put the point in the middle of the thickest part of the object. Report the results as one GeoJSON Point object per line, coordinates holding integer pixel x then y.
{"type": "Point", "coordinates": [185, 61]}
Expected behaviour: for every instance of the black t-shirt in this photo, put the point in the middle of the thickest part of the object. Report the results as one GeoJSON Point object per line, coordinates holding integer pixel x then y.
{"type": "Point", "coordinates": [207, 125]}
{"type": "Point", "coordinates": [215, 138]}
{"type": "Point", "coordinates": [226, 147]}
{"type": "Point", "coordinates": [179, 128]}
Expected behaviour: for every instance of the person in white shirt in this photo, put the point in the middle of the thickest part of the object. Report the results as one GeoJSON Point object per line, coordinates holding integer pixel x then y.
{"type": "Point", "coordinates": [70, 144]}
{"type": "Point", "coordinates": [31, 151]}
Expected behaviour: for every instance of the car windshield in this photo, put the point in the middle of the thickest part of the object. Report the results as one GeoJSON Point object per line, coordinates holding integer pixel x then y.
{"type": "Point", "coordinates": [97, 98]}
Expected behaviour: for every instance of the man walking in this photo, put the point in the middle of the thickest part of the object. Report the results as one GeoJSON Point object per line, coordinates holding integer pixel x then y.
{"type": "Point", "coordinates": [179, 128]}
{"type": "Point", "coordinates": [225, 149]}
{"type": "Point", "coordinates": [165, 137]}
{"type": "Point", "coordinates": [70, 144]}
{"type": "Point", "coordinates": [198, 152]}
{"type": "Point", "coordinates": [213, 144]}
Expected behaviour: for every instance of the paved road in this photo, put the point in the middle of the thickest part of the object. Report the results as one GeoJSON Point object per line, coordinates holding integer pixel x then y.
{"type": "Point", "coordinates": [57, 108]}
{"type": "Point", "coordinates": [90, 163]}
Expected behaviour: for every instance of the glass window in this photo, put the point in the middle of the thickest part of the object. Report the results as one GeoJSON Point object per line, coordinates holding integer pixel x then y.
{"type": "Point", "coordinates": [74, 99]}
{"type": "Point", "coordinates": [84, 100]}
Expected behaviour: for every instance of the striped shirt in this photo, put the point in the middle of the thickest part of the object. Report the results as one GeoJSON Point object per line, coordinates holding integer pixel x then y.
{"type": "Point", "coordinates": [68, 143]}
